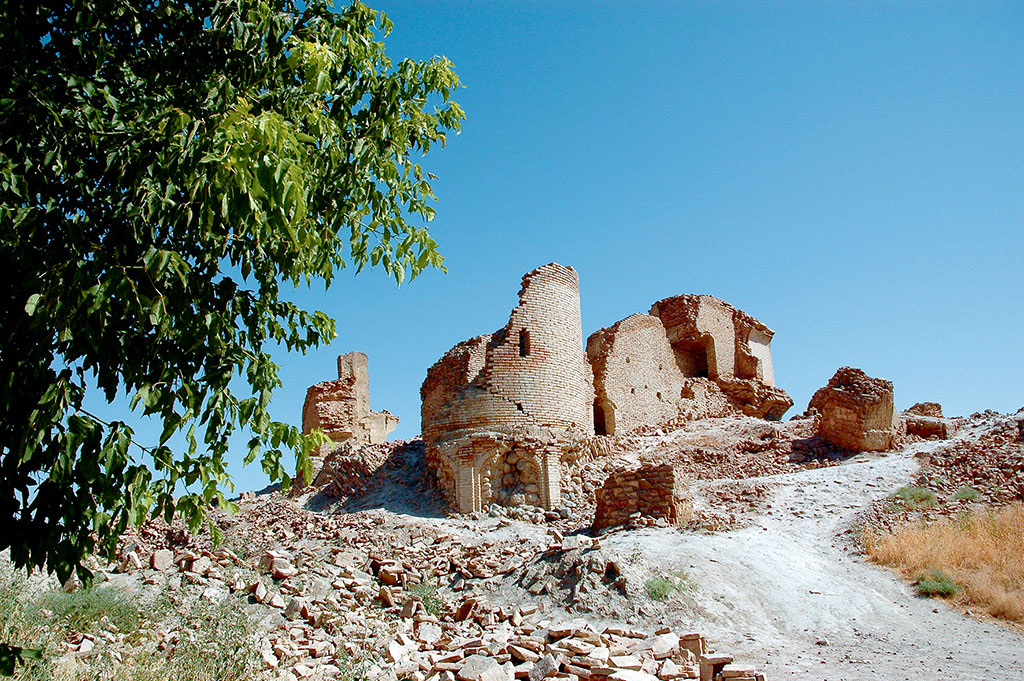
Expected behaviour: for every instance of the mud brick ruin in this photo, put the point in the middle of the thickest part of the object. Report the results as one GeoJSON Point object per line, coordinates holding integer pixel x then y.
{"type": "Point", "coordinates": [691, 357]}
{"type": "Point", "coordinates": [341, 408]}
{"type": "Point", "coordinates": [503, 412]}
{"type": "Point", "coordinates": [925, 420]}
{"type": "Point", "coordinates": [499, 410]}
{"type": "Point", "coordinates": [649, 491]}
{"type": "Point", "coordinates": [856, 411]}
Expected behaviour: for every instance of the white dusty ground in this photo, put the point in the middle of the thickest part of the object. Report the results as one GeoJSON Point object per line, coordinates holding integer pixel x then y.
{"type": "Point", "coordinates": [790, 595]}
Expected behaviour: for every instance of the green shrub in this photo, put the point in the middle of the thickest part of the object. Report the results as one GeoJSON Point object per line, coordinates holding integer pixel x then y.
{"type": "Point", "coordinates": [21, 625]}
{"type": "Point", "coordinates": [915, 498]}
{"type": "Point", "coordinates": [214, 643]}
{"type": "Point", "coordinates": [967, 493]}
{"type": "Point", "coordinates": [215, 640]}
{"type": "Point", "coordinates": [427, 593]}
{"type": "Point", "coordinates": [937, 583]}
{"type": "Point", "coordinates": [660, 587]}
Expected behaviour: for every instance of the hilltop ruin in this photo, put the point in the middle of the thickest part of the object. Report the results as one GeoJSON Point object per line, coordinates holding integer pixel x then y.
{"type": "Point", "coordinates": [503, 412]}
{"type": "Point", "coordinates": [499, 411]}
{"type": "Point", "coordinates": [693, 356]}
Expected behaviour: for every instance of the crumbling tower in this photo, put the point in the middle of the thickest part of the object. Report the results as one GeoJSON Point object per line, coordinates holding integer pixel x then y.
{"type": "Point", "coordinates": [341, 408]}
{"type": "Point", "coordinates": [499, 410]}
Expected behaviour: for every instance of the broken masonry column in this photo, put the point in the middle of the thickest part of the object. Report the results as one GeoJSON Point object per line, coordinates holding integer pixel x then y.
{"type": "Point", "coordinates": [551, 477]}
{"type": "Point", "coordinates": [341, 408]}
{"type": "Point", "coordinates": [467, 485]}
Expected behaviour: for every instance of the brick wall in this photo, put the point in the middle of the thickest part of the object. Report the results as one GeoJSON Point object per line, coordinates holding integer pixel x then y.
{"type": "Point", "coordinates": [636, 379]}
{"type": "Point", "coordinates": [341, 408]}
{"type": "Point", "coordinates": [712, 339]}
{"type": "Point", "coordinates": [694, 356]}
{"type": "Point", "coordinates": [495, 407]}
{"type": "Point", "coordinates": [648, 491]}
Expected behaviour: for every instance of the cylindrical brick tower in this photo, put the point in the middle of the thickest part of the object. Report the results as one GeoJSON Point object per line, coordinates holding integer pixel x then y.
{"type": "Point", "coordinates": [537, 362]}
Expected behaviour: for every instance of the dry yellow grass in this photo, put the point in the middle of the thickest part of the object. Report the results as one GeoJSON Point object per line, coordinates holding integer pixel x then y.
{"type": "Point", "coordinates": [983, 552]}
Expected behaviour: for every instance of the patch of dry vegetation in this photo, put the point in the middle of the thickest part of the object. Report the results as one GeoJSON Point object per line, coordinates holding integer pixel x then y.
{"type": "Point", "coordinates": [982, 552]}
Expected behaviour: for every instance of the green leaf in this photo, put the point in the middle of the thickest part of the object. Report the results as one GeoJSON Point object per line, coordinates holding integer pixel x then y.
{"type": "Point", "coordinates": [32, 304]}
{"type": "Point", "coordinates": [154, 213]}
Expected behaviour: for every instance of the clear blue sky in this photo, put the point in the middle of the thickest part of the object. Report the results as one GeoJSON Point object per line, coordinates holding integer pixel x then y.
{"type": "Point", "coordinates": [850, 173]}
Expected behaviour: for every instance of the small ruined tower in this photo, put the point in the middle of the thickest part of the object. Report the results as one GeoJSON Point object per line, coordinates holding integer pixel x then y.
{"type": "Point", "coordinates": [341, 408]}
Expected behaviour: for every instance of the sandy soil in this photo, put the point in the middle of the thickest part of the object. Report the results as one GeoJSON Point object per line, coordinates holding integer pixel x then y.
{"type": "Point", "coordinates": [790, 593]}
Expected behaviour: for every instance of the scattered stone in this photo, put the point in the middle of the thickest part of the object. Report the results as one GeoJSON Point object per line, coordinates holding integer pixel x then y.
{"type": "Point", "coordinates": [631, 675]}
{"type": "Point", "coordinates": [481, 668]}
{"type": "Point", "coordinates": [161, 559]}
{"type": "Point", "coordinates": [544, 667]}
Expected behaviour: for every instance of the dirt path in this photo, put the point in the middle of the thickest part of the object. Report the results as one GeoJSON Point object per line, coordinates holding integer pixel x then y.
{"type": "Point", "coordinates": [790, 596]}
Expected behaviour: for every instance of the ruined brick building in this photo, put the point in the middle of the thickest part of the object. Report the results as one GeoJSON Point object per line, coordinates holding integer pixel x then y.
{"type": "Point", "coordinates": [341, 408]}
{"type": "Point", "coordinates": [501, 412]}
{"type": "Point", "coordinates": [856, 411]}
{"type": "Point", "coordinates": [691, 357]}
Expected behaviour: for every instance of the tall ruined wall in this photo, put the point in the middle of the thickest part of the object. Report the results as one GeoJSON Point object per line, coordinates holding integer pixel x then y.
{"type": "Point", "coordinates": [712, 339]}
{"type": "Point", "coordinates": [636, 379]}
{"type": "Point", "coordinates": [495, 408]}
{"type": "Point", "coordinates": [530, 374]}
{"type": "Point", "coordinates": [341, 408]}
{"type": "Point", "coordinates": [353, 367]}
{"type": "Point", "coordinates": [700, 329]}
{"type": "Point", "coordinates": [446, 380]}
{"type": "Point", "coordinates": [330, 407]}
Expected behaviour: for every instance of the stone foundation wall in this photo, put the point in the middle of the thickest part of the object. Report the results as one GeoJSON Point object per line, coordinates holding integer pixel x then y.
{"type": "Point", "coordinates": [856, 411]}
{"type": "Point", "coordinates": [649, 491]}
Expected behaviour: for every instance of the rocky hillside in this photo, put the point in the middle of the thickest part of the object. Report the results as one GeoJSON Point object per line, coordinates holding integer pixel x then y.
{"type": "Point", "coordinates": [380, 583]}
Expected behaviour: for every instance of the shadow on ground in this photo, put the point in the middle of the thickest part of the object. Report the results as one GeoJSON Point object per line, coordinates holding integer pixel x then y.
{"type": "Point", "coordinates": [398, 486]}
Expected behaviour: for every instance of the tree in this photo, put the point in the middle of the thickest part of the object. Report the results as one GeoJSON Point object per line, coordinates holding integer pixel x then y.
{"type": "Point", "coordinates": [165, 166]}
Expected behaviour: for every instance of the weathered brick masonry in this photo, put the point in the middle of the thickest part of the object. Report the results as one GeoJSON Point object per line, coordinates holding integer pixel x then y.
{"type": "Point", "coordinates": [711, 338]}
{"type": "Point", "coordinates": [636, 379]}
{"type": "Point", "coordinates": [502, 412]}
{"type": "Point", "coordinates": [499, 410]}
{"type": "Point", "coordinates": [856, 411]}
{"type": "Point", "coordinates": [341, 408]}
{"type": "Point", "coordinates": [692, 357]}
{"type": "Point", "coordinates": [650, 491]}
